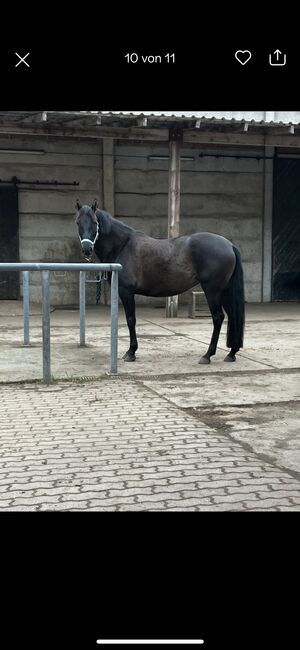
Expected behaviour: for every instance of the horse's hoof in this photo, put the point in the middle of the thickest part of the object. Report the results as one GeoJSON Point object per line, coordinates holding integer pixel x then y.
{"type": "Point", "coordinates": [129, 357]}
{"type": "Point", "coordinates": [230, 358]}
{"type": "Point", "coordinates": [204, 360]}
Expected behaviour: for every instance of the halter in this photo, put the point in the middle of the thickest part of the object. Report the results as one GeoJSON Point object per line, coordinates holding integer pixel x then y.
{"type": "Point", "coordinates": [89, 240]}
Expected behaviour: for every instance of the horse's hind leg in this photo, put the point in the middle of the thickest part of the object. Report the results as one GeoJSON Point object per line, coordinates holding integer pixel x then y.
{"type": "Point", "coordinates": [214, 303]}
{"type": "Point", "coordinates": [129, 307]}
{"type": "Point", "coordinates": [231, 355]}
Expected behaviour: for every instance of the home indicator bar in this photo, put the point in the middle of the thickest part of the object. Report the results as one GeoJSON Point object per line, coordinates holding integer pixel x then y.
{"type": "Point", "coordinates": [150, 641]}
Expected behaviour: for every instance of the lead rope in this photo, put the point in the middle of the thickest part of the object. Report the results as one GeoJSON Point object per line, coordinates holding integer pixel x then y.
{"type": "Point", "coordinates": [99, 277]}
{"type": "Point", "coordinates": [98, 287]}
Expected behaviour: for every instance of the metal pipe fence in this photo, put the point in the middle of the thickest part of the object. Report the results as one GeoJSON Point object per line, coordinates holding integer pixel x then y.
{"type": "Point", "coordinates": [45, 269]}
{"type": "Point", "coordinates": [26, 313]}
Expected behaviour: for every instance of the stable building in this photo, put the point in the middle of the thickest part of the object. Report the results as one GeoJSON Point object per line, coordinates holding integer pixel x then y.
{"type": "Point", "coordinates": [235, 174]}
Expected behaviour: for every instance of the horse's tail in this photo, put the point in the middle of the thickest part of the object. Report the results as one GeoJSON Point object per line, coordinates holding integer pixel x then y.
{"type": "Point", "coordinates": [233, 301]}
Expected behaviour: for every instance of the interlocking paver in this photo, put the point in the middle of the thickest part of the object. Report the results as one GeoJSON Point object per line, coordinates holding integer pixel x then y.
{"type": "Point", "coordinates": [114, 445]}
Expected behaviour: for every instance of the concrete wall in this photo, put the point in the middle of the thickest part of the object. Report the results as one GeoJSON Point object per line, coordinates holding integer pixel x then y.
{"type": "Point", "coordinates": [222, 195]}
{"type": "Point", "coordinates": [47, 213]}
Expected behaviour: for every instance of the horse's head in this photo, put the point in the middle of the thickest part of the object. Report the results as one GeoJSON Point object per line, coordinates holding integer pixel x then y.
{"type": "Point", "coordinates": [88, 228]}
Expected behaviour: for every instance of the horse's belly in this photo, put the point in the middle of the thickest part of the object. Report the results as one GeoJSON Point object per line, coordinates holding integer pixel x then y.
{"type": "Point", "coordinates": [165, 286]}
{"type": "Point", "coordinates": [165, 268]}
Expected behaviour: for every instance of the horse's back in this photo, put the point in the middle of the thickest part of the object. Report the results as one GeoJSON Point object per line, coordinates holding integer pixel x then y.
{"type": "Point", "coordinates": [211, 239]}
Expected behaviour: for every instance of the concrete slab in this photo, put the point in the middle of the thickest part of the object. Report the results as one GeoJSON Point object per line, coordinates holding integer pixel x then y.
{"type": "Point", "coordinates": [276, 343]}
{"type": "Point", "coordinates": [234, 389]}
{"type": "Point", "coordinates": [166, 346]}
{"type": "Point", "coordinates": [157, 355]}
{"type": "Point", "coordinates": [272, 432]}
{"type": "Point", "coordinates": [276, 357]}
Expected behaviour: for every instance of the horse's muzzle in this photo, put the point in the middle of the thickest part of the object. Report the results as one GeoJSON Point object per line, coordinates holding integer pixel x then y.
{"type": "Point", "coordinates": [87, 250]}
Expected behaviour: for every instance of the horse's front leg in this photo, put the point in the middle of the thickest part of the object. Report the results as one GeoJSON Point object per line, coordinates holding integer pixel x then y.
{"type": "Point", "coordinates": [129, 307]}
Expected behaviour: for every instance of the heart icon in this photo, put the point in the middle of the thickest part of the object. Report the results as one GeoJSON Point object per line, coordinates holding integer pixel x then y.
{"type": "Point", "coordinates": [243, 56]}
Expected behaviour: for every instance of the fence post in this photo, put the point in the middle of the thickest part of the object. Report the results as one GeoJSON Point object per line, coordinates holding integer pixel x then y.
{"type": "Point", "coordinates": [172, 307]}
{"type": "Point", "coordinates": [114, 296]}
{"type": "Point", "coordinates": [26, 307]}
{"type": "Point", "coordinates": [82, 307]}
{"type": "Point", "coordinates": [46, 326]}
{"type": "Point", "coordinates": [45, 269]}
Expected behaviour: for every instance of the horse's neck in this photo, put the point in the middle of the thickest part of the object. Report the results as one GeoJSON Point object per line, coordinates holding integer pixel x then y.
{"type": "Point", "coordinates": [104, 250]}
{"type": "Point", "coordinates": [108, 246]}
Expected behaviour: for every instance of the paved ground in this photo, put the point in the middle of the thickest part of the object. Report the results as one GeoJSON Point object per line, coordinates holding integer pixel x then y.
{"type": "Point", "coordinates": [166, 434]}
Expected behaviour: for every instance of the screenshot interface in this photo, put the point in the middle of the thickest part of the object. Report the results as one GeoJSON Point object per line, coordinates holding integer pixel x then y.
{"type": "Point", "coordinates": [149, 231]}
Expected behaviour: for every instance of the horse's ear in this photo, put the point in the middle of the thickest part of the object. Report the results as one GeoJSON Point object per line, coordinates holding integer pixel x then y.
{"type": "Point", "coordinates": [78, 205]}
{"type": "Point", "coordinates": [95, 205]}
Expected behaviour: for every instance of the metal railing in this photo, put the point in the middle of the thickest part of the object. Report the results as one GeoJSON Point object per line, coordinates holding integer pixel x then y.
{"type": "Point", "coordinates": [45, 269]}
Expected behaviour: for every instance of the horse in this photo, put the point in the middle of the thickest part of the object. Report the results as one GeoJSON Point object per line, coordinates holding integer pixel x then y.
{"type": "Point", "coordinates": [167, 267]}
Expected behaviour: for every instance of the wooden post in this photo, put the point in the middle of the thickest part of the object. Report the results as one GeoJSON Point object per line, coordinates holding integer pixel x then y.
{"type": "Point", "coordinates": [174, 203]}
{"type": "Point", "coordinates": [267, 226]}
{"type": "Point", "coordinates": [108, 195]}
{"type": "Point", "coordinates": [108, 175]}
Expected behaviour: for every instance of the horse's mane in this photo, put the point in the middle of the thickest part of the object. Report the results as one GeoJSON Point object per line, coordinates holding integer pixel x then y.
{"type": "Point", "coordinates": [107, 222]}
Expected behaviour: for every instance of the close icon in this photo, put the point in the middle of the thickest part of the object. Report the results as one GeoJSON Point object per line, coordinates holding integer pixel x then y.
{"type": "Point", "coordinates": [22, 59]}
{"type": "Point", "coordinates": [243, 56]}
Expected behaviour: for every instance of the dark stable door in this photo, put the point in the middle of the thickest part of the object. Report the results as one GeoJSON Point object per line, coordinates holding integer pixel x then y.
{"type": "Point", "coordinates": [286, 230]}
{"type": "Point", "coordinates": [9, 241]}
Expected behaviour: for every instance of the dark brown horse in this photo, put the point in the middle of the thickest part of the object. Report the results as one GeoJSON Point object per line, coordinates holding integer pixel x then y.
{"type": "Point", "coordinates": [168, 267]}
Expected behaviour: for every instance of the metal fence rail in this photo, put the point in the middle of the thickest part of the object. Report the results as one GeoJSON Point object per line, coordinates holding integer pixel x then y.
{"type": "Point", "coordinates": [45, 270]}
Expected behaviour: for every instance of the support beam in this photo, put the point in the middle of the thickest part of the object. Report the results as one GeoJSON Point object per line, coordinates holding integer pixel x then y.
{"type": "Point", "coordinates": [174, 189]}
{"type": "Point", "coordinates": [108, 193]}
{"type": "Point", "coordinates": [81, 121]}
{"type": "Point", "coordinates": [36, 118]}
{"type": "Point", "coordinates": [274, 136]}
{"type": "Point", "coordinates": [122, 133]}
{"type": "Point", "coordinates": [279, 137]}
{"type": "Point", "coordinates": [108, 178]}
{"type": "Point", "coordinates": [142, 121]}
{"type": "Point", "coordinates": [267, 226]}
{"type": "Point", "coordinates": [197, 136]}
{"type": "Point", "coordinates": [174, 204]}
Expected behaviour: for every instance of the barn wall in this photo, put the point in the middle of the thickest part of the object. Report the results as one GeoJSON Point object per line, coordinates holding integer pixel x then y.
{"type": "Point", "coordinates": [47, 213]}
{"type": "Point", "coordinates": [222, 195]}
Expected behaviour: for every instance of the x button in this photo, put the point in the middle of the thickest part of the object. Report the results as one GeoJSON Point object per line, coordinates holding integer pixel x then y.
{"type": "Point", "coordinates": [22, 59]}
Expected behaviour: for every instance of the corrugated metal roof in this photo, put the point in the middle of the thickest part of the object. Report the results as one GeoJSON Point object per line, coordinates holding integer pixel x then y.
{"type": "Point", "coordinates": [187, 117]}
{"type": "Point", "coordinates": [79, 123]}
{"type": "Point", "coordinates": [250, 117]}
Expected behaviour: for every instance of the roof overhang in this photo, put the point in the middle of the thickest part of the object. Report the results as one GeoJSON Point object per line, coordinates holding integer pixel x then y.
{"type": "Point", "coordinates": [194, 129]}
